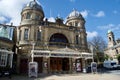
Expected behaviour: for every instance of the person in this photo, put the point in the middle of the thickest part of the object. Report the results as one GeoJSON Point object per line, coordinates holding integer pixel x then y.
{"type": "Point", "coordinates": [94, 67]}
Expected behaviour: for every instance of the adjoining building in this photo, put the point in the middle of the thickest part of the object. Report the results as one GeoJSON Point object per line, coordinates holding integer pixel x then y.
{"type": "Point", "coordinates": [6, 45]}
{"type": "Point", "coordinates": [113, 48]}
{"type": "Point", "coordinates": [55, 46]}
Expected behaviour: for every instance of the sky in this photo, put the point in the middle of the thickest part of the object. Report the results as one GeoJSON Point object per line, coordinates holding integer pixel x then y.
{"type": "Point", "coordinates": [100, 15]}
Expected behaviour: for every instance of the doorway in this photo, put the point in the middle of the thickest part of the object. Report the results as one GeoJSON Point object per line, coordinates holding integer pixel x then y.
{"type": "Point", "coordinates": [39, 60]}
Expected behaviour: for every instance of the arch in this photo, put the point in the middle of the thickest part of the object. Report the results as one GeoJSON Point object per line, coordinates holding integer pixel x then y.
{"type": "Point", "coordinates": [58, 39]}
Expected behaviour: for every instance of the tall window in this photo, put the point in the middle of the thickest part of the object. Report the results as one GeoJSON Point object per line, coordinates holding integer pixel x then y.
{"type": "Point", "coordinates": [3, 59]}
{"type": "Point", "coordinates": [37, 17]}
{"type": "Point", "coordinates": [76, 24]}
{"type": "Point", "coordinates": [76, 39]}
{"type": "Point", "coordinates": [20, 35]}
{"type": "Point", "coordinates": [39, 35]}
{"type": "Point", "coordinates": [26, 34]}
{"type": "Point", "coordinates": [28, 16]}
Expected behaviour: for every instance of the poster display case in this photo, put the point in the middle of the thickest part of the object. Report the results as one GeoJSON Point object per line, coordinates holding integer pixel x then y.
{"type": "Point", "coordinates": [33, 69]}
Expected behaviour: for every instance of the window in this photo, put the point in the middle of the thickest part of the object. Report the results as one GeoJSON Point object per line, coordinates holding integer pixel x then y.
{"type": "Point", "coordinates": [37, 17]}
{"type": "Point", "coordinates": [76, 39]}
{"type": "Point", "coordinates": [3, 59]}
{"type": "Point", "coordinates": [76, 24]}
{"type": "Point", "coordinates": [39, 35]}
{"type": "Point", "coordinates": [26, 34]}
{"type": "Point", "coordinates": [28, 16]}
{"type": "Point", "coordinates": [20, 35]}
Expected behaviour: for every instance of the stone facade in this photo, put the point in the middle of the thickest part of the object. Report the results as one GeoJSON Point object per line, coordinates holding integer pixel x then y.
{"type": "Point", "coordinates": [113, 47]}
{"type": "Point", "coordinates": [53, 45]}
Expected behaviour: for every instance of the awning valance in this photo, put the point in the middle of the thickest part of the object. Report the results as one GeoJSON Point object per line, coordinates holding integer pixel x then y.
{"type": "Point", "coordinates": [64, 52]}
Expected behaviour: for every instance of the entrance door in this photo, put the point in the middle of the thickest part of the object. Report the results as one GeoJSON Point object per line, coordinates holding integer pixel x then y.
{"type": "Point", "coordinates": [24, 66]}
{"type": "Point", "coordinates": [55, 64]}
{"type": "Point", "coordinates": [65, 64]}
{"type": "Point", "coordinates": [39, 61]}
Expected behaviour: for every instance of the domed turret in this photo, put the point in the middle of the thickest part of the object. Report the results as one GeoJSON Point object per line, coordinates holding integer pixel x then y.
{"type": "Point", "coordinates": [32, 13]}
{"type": "Point", "coordinates": [75, 19]}
{"type": "Point", "coordinates": [74, 14]}
{"type": "Point", "coordinates": [33, 5]}
{"type": "Point", "coordinates": [109, 31]}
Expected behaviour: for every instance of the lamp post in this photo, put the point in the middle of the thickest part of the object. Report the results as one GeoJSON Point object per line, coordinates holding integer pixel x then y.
{"type": "Point", "coordinates": [32, 54]}
{"type": "Point", "coordinates": [92, 50]}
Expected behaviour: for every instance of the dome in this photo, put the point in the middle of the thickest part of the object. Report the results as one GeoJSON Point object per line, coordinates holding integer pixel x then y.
{"type": "Point", "coordinates": [109, 31]}
{"type": "Point", "coordinates": [74, 14]}
{"type": "Point", "coordinates": [33, 5]}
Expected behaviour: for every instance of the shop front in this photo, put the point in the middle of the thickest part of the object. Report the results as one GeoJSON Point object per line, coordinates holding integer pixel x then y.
{"type": "Point", "coordinates": [60, 61]}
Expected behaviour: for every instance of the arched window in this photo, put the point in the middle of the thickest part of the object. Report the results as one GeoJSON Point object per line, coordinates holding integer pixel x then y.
{"type": "Point", "coordinates": [58, 39]}
{"type": "Point", "coordinates": [109, 38]}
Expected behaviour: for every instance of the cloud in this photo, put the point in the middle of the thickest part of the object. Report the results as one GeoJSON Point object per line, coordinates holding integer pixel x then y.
{"type": "Point", "coordinates": [51, 19]}
{"type": "Point", "coordinates": [92, 34]}
{"type": "Point", "coordinates": [84, 13]}
{"type": "Point", "coordinates": [100, 14]}
{"type": "Point", "coordinates": [112, 27]}
{"type": "Point", "coordinates": [72, 0]}
{"type": "Point", "coordinates": [11, 9]}
{"type": "Point", "coordinates": [2, 19]}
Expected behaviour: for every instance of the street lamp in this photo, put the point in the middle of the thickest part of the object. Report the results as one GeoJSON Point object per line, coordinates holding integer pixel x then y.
{"type": "Point", "coordinates": [92, 50]}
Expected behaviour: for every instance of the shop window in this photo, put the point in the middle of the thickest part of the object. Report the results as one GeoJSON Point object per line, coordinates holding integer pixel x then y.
{"type": "Point", "coordinates": [26, 34]}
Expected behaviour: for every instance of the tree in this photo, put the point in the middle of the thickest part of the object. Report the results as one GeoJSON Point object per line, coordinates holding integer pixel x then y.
{"type": "Point", "coordinates": [99, 45]}
{"type": "Point", "coordinates": [118, 58]}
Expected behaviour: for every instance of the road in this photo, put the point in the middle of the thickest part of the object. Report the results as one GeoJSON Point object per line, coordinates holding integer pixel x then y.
{"type": "Point", "coordinates": [107, 75]}
{"type": "Point", "coordinates": [114, 72]}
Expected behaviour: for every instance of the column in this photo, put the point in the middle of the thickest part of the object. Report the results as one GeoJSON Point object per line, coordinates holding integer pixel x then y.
{"type": "Point", "coordinates": [45, 65]}
{"type": "Point", "coordinates": [70, 65]}
{"type": "Point", "coordinates": [83, 65]}
{"type": "Point", "coordinates": [73, 67]}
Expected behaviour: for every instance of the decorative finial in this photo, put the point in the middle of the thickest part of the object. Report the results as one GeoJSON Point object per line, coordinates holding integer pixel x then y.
{"type": "Point", "coordinates": [74, 9]}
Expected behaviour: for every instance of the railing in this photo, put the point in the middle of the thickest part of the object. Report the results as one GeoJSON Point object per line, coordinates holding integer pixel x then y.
{"type": "Point", "coordinates": [53, 44]}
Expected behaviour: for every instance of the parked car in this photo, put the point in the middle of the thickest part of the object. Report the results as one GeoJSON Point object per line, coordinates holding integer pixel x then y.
{"type": "Point", "coordinates": [110, 64]}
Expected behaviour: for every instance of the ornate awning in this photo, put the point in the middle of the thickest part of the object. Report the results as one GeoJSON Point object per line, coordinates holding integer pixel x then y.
{"type": "Point", "coordinates": [62, 52]}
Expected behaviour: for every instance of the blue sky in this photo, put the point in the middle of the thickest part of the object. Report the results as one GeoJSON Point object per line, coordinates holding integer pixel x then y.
{"type": "Point", "coordinates": [100, 15]}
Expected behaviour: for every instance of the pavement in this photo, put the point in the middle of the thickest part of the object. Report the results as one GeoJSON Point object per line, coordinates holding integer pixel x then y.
{"type": "Point", "coordinates": [76, 76]}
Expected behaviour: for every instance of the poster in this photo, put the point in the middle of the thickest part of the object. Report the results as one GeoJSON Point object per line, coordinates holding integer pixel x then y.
{"type": "Point", "coordinates": [78, 67]}
{"type": "Point", "coordinates": [33, 69]}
